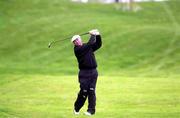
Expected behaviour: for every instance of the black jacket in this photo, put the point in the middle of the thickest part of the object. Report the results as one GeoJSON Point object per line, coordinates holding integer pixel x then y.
{"type": "Point", "coordinates": [85, 53]}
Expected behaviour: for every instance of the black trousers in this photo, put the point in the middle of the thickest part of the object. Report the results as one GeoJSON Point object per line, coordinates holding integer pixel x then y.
{"type": "Point", "coordinates": [87, 80]}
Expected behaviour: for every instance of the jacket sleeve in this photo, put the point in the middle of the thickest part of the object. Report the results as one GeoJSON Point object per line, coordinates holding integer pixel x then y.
{"type": "Point", "coordinates": [81, 50]}
{"type": "Point", "coordinates": [94, 43]}
{"type": "Point", "coordinates": [97, 44]}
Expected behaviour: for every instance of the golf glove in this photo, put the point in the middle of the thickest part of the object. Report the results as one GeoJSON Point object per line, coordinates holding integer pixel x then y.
{"type": "Point", "coordinates": [94, 32]}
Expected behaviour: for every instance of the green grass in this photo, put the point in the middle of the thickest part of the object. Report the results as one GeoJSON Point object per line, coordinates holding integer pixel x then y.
{"type": "Point", "coordinates": [45, 96]}
{"type": "Point", "coordinates": [147, 40]}
{"type": "Point", "coordinates": [139, 62]}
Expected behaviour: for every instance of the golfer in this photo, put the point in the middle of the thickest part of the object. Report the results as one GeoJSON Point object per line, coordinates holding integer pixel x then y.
{"type": "Point", "coordinates": [88, 74]}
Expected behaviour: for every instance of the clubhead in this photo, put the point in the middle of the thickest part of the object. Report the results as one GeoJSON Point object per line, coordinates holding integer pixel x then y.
{"type": "Point", "coordinates": [53, 42]}
{"type": "Point", "coordinates": [49, 46]}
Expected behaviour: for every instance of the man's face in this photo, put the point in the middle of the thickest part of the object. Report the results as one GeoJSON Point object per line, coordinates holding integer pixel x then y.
{"type": "Point", "coordinates": [78, 42]}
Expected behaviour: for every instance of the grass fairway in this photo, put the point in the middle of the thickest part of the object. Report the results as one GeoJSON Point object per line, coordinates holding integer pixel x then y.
{"type": "Point", "coordinates": [43, 96]}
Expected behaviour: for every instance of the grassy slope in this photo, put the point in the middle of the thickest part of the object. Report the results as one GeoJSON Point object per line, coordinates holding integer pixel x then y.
{"type": "Point", "coordinates": [145, 42]}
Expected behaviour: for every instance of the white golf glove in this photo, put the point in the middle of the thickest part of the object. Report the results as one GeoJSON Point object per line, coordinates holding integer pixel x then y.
{"type": "Point", "coordinates": [94, 32]}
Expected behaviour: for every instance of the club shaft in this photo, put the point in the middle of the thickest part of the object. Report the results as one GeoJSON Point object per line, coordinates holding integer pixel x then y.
{"type": "Point", "coordinates": [66, 38]}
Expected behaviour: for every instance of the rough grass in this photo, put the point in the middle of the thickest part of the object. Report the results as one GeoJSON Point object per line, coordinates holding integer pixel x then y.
{"type": "Point", "coordinates": [147, 40]}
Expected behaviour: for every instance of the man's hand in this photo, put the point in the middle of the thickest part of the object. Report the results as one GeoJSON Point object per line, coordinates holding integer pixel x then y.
{"type": "Point", "coordinates": [94, 32]}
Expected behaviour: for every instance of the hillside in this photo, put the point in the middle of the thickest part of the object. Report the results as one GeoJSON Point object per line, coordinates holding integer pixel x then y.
{"type": "Point", "coordinates": [134, 43]}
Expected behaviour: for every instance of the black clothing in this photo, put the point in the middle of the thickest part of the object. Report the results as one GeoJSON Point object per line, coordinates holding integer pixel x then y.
{"type": "Point", "coordinates": [85, 55]}
{"type": "Point", "coordinates": [88, 74]}
{"type": "Point", "coordinates": [87, 80]}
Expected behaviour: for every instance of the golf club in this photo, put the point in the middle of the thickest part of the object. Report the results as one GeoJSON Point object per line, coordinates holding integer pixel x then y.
{"type": "Point", "coordinates": [53, 42]}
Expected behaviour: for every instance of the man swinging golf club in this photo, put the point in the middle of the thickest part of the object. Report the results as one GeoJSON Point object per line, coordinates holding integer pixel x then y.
{"type": "Point", "coordinates": [88, 74]}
